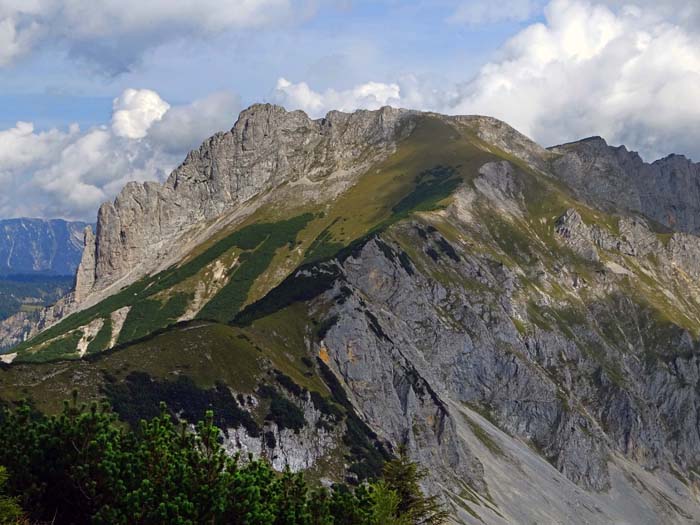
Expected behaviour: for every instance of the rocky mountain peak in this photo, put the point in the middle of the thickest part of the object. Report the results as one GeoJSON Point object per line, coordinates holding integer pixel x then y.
{"type": "Point", "coordinates": [502, 135]}
{"type": "Point", "coordinates": [597, 146]}
{"type": "Point", "coordinates": [268, 146]}
{"type": "Point", "coordinates": [616, 179]}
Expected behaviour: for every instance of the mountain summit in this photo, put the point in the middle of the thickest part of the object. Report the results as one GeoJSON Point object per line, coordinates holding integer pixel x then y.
{"type": "Point", "coordinates": [524, 321]}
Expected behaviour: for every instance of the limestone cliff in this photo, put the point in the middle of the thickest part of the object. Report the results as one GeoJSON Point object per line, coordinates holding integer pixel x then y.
{"type": "Point", "coordinates": [266, 148]}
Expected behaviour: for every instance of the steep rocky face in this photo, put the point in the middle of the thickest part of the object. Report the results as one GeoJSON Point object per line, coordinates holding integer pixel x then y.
{"type": "Point", "coordinates": [85, 272]}
{"type": "Point", "coordinates": [395, 278]}
{"type": "Point", "coordinates": [267, 147]}
{"type": "Point", "coordinates": [667, 190]}
{"type": "Point", "coordinates": [497, 133]}
{"type": "Point", "coordinates": [576, 366]}
{"type": "Point", "coordinates": [37, 246]}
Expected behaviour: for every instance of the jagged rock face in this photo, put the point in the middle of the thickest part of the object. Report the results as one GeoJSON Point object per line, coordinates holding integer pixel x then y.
{"type": "Point", "coordinates": [267, 147]}
{"type": "Point", "coordinates": [37, 246]}
{"type": "Point", "coordinates": [667, 191]}
{"type": "Point", "coordinates": [297, 451]}
{"type": "Point", "coordinates": [408, 346]}
{"type": "Point", "coordinates": [497, 133]}
{"type": "Point", "coordinates": [417, 340]}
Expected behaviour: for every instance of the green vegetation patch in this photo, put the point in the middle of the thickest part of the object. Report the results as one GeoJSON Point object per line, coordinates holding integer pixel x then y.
{"type": "Point", "coordinates": [72, 322]}
{"type": "Point", "coordinates": [315, 277]}
{"type": "Point", "coordinates": [247, 238]}
{"type": "Point", "coordinates": [262, 236]}
{"type": "Point", "coordinates": [282, 338]}
{"type": "Point", "coordinates": [102, 339]}
{"type": "Point", "coordinates": [148, 315]}
{"type": "Point", "coordinates": [425, 193]}
{"type": "Point", "coordinates": [140, 396]}
{"type": "Point", "coordinates": [63, 347]}
{"type": "Point", "coordinates": [206, 353]}
{"type": "Point", "coordinates": [307, 282]}
{"type": "Point", "coordinates": [324, 246]}
{"type": "Point", "coordinates": [84, 467]}
{"type": "Point", "coordinates": [431, 187]}
{"type": "Point", "coordinates": [263, 240]}
{"type": "Point", "coordinates": [282, 411]}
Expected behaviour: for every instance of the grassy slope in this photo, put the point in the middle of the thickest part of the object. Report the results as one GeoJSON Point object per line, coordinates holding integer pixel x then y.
{"type": "Point", "coordinates": [203, 351]}
{"type": "Point", "coordinates": [660, 306]}
{"type": "Point", "coordinates": [205, 355]}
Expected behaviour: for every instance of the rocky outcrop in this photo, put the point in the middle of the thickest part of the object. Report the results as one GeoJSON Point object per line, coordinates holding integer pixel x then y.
{"type": "Point", "coordinates": [296, 450]}
{"type": "Point", "coordinates": [617, 180]}
{"type": "Point", "coordinates": [85, 274]}
{"type": "Point", "coordinates": [415, 344]}
{"type": "Point", "coordinates": [415, 340]}
{"type": "Point", "coordinates": [24, 325]}
{"type": "Point", "coordinates": [497, 133]}
{"type": "Point", "coordinates": [578, 236]}
{"type": "Point", "coordinates": [149, 226]}
{"type": "Point", "coordinates": [267, 147]}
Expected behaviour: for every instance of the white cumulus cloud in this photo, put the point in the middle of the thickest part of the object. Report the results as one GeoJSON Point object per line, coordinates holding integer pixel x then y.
{"type": "Point", "coordinates": [625, 73]}
{"type": "Point", "coordinates": [135, 110]}
{"type": "Point", "coordinates": [113, 34]}
{"type": "Point", "coordinates": [586, 70]}
{"type": "Point", "coordinates": [69, 173]}
{"type": "Point", "coordinates": [371, 95]}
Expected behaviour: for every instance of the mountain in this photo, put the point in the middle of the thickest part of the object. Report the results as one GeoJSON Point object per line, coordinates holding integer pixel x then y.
{"type": "Point", "coordinates": [523, 320]}
{"type": "Point", "coordinates": [30, 293]}
{"type": "Point", "coordinates": [39, 246]}
{"type": "Point", "coordinates": [38, 261]}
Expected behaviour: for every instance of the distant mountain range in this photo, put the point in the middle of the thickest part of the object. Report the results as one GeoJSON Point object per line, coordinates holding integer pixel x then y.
{"type": "Point", "coordinates": [38, 260]}
{"type": "Point", "coordinates": [39, 246]}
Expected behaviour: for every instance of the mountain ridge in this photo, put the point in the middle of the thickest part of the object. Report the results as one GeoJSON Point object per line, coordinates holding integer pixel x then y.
{"type": "Point", "coordinates": [40, 246]}
{"type": "Point", "coordinates": [38, 261]}
{"type": "Point", "coordinates": [439, 283]}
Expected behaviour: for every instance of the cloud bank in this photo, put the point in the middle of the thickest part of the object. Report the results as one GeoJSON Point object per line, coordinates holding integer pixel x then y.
{"type": "Point", "coordinates": [69, 173]}
{"type": "Point", "coordinates": [480, 12]}
{"type": "Point", "coordinates": [372, 95]}
{"type": "Point", "coordinates": [626, 74]}
{"type": "Point", "coordinates": [114, 34]}
{"type": "Point", "coordinates": [135, 111]}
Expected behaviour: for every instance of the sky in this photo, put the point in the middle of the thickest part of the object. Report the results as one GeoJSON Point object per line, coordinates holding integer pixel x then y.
{"type": "Point", "coordinates": [96, 93]}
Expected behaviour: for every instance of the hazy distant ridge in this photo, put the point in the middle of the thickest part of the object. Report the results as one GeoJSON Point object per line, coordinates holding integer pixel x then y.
{"type": "Point", "coordinates": [39, 246]}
